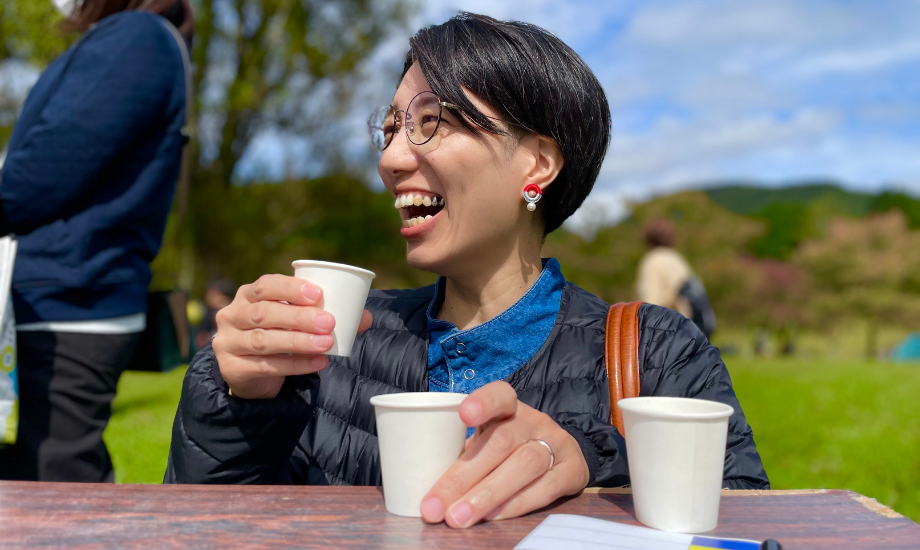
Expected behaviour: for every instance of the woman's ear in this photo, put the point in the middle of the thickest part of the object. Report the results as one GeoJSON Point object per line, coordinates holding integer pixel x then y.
{"type": "Point", "coordinates": [547, 161]}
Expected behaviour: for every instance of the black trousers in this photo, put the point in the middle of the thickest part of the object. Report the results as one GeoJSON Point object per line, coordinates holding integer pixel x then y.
{"type": "Point", "coordinates": [67, 382]}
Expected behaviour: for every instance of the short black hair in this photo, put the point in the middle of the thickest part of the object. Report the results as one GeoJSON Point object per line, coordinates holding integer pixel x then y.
{"type": "Point", "coordinates": [533, 79]}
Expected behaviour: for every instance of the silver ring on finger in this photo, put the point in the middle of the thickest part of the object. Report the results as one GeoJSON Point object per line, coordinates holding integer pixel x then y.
{"type": "Point", "coordinates": [552, 455]}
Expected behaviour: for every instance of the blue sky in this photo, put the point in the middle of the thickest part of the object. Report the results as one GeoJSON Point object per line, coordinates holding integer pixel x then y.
{"type": "Point", "coordinates": [701, 91]}
{"type": "Point", "coordinates": [710, 90]}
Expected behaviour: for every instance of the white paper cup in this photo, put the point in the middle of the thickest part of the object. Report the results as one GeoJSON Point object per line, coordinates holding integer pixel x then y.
{"type": "Point", "coordinates": [420, 436]}
{"type": "Point", "coordinates": [345, 291]}
{"type": "Point", "coordinates": [676, 452]}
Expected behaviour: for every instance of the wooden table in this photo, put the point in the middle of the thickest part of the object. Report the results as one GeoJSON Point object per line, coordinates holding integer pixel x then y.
{"type": "Point", "coordinates": [171, 516]}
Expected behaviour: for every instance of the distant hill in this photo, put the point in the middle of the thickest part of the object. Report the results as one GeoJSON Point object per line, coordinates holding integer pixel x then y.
{"type": "Point", "coordinates": [751, 201]}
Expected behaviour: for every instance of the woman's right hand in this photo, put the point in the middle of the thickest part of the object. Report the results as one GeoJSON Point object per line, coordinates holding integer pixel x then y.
{"type": "Point", "coordinates": [271, 330]}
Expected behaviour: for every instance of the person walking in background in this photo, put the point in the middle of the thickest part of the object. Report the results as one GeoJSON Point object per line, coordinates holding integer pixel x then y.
{"type": "Point", "coordinates": [665, 278]}
{"type": "Point", "coordinates": [218, 296]}
{"type": "Point", "coordinates": [87, 184]}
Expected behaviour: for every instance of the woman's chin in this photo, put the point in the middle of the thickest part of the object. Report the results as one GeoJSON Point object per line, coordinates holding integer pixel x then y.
{"type": "Point", "coordinates": [425, 257]}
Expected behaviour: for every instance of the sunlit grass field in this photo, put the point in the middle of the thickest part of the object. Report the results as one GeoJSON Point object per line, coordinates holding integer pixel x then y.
{"type": "Point", "coordinates": [837, 425]}
{"type": "Point", "coordinates": [817, 424]}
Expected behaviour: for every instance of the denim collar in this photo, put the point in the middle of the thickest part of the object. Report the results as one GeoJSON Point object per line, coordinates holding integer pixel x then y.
{"type": "Point", "coordinates": [465, 360]}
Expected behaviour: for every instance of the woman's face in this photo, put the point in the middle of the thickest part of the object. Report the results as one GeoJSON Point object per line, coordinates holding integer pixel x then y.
{"type": "Point", "coordinates": [474, 185]}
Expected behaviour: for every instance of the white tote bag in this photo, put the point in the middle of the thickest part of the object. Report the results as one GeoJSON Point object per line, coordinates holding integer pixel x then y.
{"type": "Point", "coordinates": [9, 383]}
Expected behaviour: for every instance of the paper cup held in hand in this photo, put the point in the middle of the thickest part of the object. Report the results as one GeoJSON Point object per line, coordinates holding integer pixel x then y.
{"type": "Point", "coordinates": [420, 435]}
{"type": "Point", "coordinates": [345, 291]}
{"type": "Point", "coordinates": [676, 452]}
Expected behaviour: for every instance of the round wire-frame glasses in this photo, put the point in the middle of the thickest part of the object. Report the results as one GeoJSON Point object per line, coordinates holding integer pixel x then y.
{"type": "Point", "coordinates": [421, 118]}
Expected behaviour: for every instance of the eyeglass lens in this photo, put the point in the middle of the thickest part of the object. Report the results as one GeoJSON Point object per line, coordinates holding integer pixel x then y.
{"type": "Point", "coordinates": [421, 119]}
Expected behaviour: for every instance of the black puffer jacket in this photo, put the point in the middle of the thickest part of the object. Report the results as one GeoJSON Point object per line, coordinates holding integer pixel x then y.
{"type": "Point", "coordinates": [320, 429]}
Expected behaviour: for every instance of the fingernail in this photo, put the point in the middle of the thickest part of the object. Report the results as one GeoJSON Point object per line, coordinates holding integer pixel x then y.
{"type": "Point", "coordinates": [311, 292]}
{"type": "Point", "coordinates": [324, 321]}
{"type": "Point", "coordinates": [323, 341]}
{"type": "Point", "coordinates": [432, 510]}
{"type": "Point", "coordinates": [318, 363]}
{"type": "Point", "coordinates": [473, 410]}
{"type": "Point", "coordinates": [461, 514]}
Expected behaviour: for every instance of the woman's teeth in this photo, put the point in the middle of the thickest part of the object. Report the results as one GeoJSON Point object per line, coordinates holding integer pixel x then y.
{"type": "Point", "coordinates": [417, 208]}
{"type": "Point", "coordinates": [415, 221]}
{"type": "Point", "coordinates": [418, 199]}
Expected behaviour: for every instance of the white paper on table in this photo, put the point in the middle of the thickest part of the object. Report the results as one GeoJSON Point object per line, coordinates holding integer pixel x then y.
{"type": "Point", "coordinates": [569, 532]}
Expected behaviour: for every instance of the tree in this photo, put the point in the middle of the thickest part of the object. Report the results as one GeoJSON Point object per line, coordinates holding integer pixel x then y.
{"type": "Point", "coordinates": [24, 38]}
{"type": "Point", "coordinates": [894, 200]}
{"type": "Point", "coordinates": [283, 66]}
{"type": "Point", "coordinates": [788, 224]}
{"type": "Point", "coordinates": [868, 267]}
{"type": "Point", "coordinates": [706, 235]}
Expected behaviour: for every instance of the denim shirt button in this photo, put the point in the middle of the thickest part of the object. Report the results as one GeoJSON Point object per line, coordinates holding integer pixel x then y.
{"type": "Point", "coordinates": [469, 374]}
{"type": "Point", "coordinates": [461, 348]}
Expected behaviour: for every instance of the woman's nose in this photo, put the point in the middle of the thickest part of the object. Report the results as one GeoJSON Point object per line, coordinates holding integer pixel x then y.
{"type": "Point", "coordinates": [398, 157]}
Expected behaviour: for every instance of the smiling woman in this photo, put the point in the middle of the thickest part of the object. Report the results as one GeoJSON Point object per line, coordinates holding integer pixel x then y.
{"type": "Point", "coordinates": [493, 138]}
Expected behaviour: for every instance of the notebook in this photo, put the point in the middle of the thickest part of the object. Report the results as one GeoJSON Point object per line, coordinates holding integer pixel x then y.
{"type": "Point", "coordinates": [569, 532]}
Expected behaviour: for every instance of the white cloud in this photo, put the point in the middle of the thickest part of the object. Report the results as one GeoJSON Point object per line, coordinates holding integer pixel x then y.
{"type": "Point", "coordinates": [678, 26]}
{"type": "Point", "coordinates": [672, 143]}
{"type": "Point", "coordinates": [860, 60]}
{"type": "Point", "coordinates": [601, 209]}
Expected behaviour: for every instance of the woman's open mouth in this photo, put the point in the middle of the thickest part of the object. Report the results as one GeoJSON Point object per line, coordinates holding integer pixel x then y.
{"type": "Point", "coordinates": [417, 208]}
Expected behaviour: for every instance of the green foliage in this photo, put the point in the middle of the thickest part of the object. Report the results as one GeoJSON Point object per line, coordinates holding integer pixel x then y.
{"type": "Point", "coordinates": [27, 35]}
{"type": "Point", "coordinates": [867, 268]}
{"type": "Point", "coordinates": [841, 425]}
{"type": "Point", "coordinates": [140, 430]}
{"type": "Point", "coordinates": [260, 229]}
{"type": "Point", "coordinates": [891, 200]}
{"type": "Point", "coordinates": [285, 65]}
{"type": "Point", "coordinates": [707, 234]}
{"type": "Point", "coordinates": [28, 32]}
{"type": "Point", "coordinates": [788, 225]}
{"type": "Point", "coordinates": [808, 271]}
{"type": "Point", "coordinates": [749, 200]}
{"type": "Point", "coordinates": [294, 65]}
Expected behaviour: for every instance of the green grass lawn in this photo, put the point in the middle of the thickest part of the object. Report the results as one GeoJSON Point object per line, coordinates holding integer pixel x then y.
{"type": "Point", "coordinates": [836, 425]}
{"type": "Point", "coordinates": [139, 432]}
{"type": "Point", "coordinates": [817, 424]}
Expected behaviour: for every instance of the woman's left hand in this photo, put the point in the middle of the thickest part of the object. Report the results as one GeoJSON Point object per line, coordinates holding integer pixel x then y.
{"type": "Point", "coordinates": [504, 472]}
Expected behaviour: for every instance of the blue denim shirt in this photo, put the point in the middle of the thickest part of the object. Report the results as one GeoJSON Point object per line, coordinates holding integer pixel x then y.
{"type": "Point", "coordinates": [462, 361]}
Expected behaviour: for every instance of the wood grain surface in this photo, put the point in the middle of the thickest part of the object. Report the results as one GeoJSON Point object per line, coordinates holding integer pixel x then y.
{"type": "Point", "coordinates": [209, 516]}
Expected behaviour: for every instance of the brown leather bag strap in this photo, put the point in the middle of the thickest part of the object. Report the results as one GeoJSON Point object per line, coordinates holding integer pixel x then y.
{"type": "Point", "coordinates": [622, 356]}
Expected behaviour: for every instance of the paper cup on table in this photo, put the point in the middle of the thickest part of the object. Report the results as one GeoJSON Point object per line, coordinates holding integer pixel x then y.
{"type": "Point", "coordinates": [419, 435]}
{"type": "Point", "coordinates": [676, 452]}
{"type": "Point", "coordinates": [345, 291]}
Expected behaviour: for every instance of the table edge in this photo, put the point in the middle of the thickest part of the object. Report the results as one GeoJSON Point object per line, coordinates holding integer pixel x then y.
{"type": "Point", "coordinates": [869, 503]}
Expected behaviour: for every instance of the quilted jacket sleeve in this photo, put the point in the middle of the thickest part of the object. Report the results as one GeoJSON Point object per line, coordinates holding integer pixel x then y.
{"type": "Point", "coordinates": [676, 360]}
{"type": "Point", "coordinates": [218, 438]}
{"type": "Point", "coordinates": [602, 446]}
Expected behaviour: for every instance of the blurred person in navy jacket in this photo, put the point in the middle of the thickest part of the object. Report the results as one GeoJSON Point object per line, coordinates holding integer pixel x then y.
{"type": "Point", "coordinates": [87, 184]}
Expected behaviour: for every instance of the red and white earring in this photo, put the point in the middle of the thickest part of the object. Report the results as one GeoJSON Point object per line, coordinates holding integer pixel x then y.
{"type": "Point", "coordinates": [532, 194]}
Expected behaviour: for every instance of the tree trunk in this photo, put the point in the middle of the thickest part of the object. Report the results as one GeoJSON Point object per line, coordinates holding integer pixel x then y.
{"type": "Point", "coordinates": [872, 339]}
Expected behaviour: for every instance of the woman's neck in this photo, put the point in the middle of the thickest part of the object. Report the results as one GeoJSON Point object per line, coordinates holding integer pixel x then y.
{"type": "Point", "coordinates": [487, 291]}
